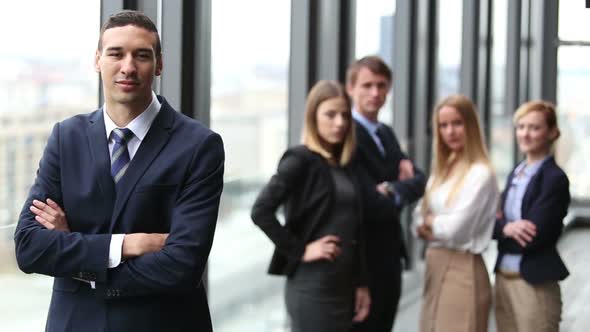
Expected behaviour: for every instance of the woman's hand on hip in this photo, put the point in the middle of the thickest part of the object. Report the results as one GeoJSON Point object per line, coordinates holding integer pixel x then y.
{"type": "Point", "coordinates": [324, 248]}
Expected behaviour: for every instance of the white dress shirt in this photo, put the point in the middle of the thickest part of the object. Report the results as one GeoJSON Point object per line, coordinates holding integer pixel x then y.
{"type": "Point", "coordinates": [140, 127]}
{"type": "Point", "coordinates": [466, 223]}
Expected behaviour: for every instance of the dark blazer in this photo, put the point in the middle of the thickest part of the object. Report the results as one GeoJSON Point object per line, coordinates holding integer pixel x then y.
{"type": "Point", "coordinates": [385, 242]}
{"type": "Point", "coordinates": [304, 187]}
{"type": "Point", "coordinates": [545, 203]}
{"type": "Point", "coordinates": [173, 185]}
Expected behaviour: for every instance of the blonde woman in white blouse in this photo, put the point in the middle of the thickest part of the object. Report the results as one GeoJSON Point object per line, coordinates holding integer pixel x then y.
{"type": "Point", "coordinates": [456, 217]}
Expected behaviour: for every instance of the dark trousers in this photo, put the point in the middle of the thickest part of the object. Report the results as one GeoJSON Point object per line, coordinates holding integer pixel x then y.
{"type": "Point", "coordinates": [385, 287]}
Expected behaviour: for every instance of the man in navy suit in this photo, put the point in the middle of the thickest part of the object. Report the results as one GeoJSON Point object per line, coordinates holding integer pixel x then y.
{"type": "Point", "coordinates": [123, 210]}
{"type": "Point", "coordinates": [367, 83]}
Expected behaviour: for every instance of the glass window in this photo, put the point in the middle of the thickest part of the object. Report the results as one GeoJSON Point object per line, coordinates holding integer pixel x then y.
{"type": "Point", "coordinates": [450, 20]}
{"type": "Point", "coordinates": [573, 101]}
{"type": "Point", "coordinates": [375, 36]}
{"type": "Point", "coordinates": [502, 130]}
{"type": "Point", "coordinates": [250, 58]}
{"type": "Point", "coordinates": [573, 147]}
{"type": "Point", "coordinates": [47, 75]}
{"type": "Point", "coordinates": [574, 21]}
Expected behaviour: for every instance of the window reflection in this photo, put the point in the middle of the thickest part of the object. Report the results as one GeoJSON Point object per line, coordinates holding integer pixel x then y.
{"type": "Point", "coordinates": [573, 101]}
{"type": "Point", "coordinates": [45, 78]}
{"type": "Point", "coordinates": [573, 146]}
{"type": "Point", "coordinates": [375, 23]}
{"type": "Point", "coordinates": [250, 56]}
{"type": "Point", "coordinates": [449, 31]}
{"type": "Point", "coordinates": [574, 20]}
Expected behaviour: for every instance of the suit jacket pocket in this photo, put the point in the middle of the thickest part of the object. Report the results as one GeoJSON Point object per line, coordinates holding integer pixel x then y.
{"type": "Point", "coordinates": [67, 285]}
{"type": "Point", "coordinates": [155, 188]}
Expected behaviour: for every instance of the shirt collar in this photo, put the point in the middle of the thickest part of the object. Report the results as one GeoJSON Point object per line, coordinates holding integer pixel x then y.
{"type": "Point", "coordinates": [141, 124]}
{"type": "Point", "coordinates": [530, 169]}
{"type": "Point", "coordinates": [366, 123]}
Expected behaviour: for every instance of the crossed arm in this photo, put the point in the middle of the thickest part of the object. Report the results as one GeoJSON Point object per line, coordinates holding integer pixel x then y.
{"type": "Point", "coordinates": [176, 266]}
{"type": "Point", "coordinates": [409, 186]}
{"type": "Point", "coordinates": [545, 215]}
{"type": "Point", "coordinates": [51, 216]}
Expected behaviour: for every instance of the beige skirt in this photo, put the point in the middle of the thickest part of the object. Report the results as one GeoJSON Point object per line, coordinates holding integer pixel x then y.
{"type": "Point", "coordinates": [457, 293]}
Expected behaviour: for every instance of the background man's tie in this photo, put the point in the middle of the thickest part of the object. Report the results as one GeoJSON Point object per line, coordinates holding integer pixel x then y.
{"type": "Point", "coordinates": [120, 157]}
{"type": "Point", "coordinates": [381, 133]}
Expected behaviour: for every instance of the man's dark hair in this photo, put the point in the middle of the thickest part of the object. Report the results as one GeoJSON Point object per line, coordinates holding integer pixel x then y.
{"type": "Point", "coordinates": [372, 62]}
{"type": "Point", "coordinates": [131, 17]}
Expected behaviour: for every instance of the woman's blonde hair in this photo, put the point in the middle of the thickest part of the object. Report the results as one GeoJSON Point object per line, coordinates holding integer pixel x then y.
{"type": "Point", "coordinates": [320, 92]}
{"type": "Point", "coordinates": [544, 107]}
{"type": "Point", "coordinates": [473, 152]}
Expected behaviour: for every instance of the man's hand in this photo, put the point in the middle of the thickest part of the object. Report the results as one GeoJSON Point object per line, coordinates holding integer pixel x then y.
{"type": "Point", "coordinates": [137, 244]}
{"type": "Point", "coordinates": [406, 170]}
{"type": "Point", "coordinates": [362, 304]}
{"type": "Point", "coordinates": [383, 189]}
{"type": "Point", "coordinates": [522, 231]}
{"type": "Point", "coordinates": [327, 247]}
{"type": "Point", "coordinates": [50, 215]}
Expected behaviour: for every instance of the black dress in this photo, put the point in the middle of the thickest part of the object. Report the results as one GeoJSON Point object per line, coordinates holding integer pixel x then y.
{"type": "Point", "coordinates": [320, 295]}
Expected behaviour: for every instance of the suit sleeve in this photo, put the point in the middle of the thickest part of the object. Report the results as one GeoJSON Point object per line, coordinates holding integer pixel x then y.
{"type": "Point", "coordinates": [377, 207]}
{"type": "Point", "coordinates": [290, 170]}
{"type": "Point", "coordinates": [547, 212]}
{"type": "Point", "coordinates": [412, 189]}
{"type": "Point", "coordinates": [179, 266]}
{"type": "Point", "coordinates": [50, 252]}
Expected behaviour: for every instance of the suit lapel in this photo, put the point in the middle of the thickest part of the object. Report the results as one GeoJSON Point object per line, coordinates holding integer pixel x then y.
{"type": "Point", "coordinates": [99, 150]}
{"type": "Point", "coordinates": [366, 142]}
{"type": "Point", "coordinates": [533, 186]}
{"type": "Point", "coordinates": [156, 138]}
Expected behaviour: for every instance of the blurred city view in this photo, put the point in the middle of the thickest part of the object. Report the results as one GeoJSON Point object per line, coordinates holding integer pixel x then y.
{"type": "Point", "coordinates": [48, 75]}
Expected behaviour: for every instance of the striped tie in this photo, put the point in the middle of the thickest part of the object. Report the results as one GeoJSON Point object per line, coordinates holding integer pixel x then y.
{"type": "Point", "coordinates": [120, 158]}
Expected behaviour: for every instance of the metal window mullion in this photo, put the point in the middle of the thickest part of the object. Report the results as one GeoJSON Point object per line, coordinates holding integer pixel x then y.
{"type": "Point", "coordinates": [424, 90]}
{"type": "Point", "coordinates": [513, 63]}
{"type": "Point", "coordinates": [403, 72]}
{"type": "Point", "coordinates": [470, 49]}
{"type": "Point", "coordinates": [300, 74]}
{"type": "Point", "coordinates": [320, 49]}
{"type": "Point", "coordinates": [171, 33]}
{"type": "Point", "coordinates": [196, 60]}
{"type": "Point", "coordinates": [107, 8]}
{"type": "Point", "coordinates": [544, 25]}
{"type": "Point", "coordinates": [484, 72]}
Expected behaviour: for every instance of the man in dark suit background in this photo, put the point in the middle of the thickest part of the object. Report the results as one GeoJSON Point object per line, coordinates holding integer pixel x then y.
{"type": "Point", "coordinates": [123, 210]}
{"type": "Point", "coordinates": [368, 81]}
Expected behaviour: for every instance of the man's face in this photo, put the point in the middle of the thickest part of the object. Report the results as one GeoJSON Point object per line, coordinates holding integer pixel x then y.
{"type": "Point", "coordinates": [368, 93]}
{"type": "Point", "coordinates": [128, 64]}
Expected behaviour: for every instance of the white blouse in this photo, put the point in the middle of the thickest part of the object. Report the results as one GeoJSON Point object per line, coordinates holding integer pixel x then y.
{"type": "Point", "coordinates": [467, 223]}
